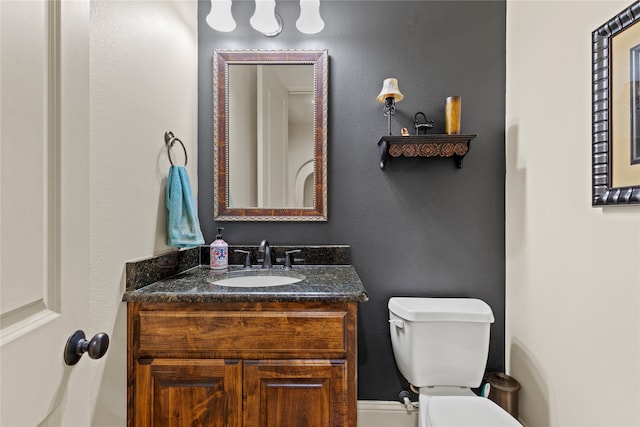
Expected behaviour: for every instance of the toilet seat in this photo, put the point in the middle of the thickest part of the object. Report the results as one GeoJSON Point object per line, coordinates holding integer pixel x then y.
{"type": "Point", "coordinates": [466, 411]}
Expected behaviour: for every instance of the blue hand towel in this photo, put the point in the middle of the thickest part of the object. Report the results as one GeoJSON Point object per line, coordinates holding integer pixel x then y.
{"type": "Point", "coordinates": [183, 227]}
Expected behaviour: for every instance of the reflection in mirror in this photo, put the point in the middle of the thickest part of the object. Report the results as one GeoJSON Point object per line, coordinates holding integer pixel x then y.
{"type": "Point", "coordinates": [270, 111]}
{"type": "Point", "coordinates": [270, 134]}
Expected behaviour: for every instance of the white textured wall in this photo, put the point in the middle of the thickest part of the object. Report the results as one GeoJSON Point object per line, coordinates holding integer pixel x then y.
{"type": "Point", "coordinates": [143, 82]}
{"type": "Point", "coordinates": [573, 271]}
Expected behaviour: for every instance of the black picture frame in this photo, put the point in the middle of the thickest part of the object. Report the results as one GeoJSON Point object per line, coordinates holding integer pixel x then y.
{"type": "Point", "coordinates": [603, 192]}
{"type": "Point", "coordinates": [635, 104]}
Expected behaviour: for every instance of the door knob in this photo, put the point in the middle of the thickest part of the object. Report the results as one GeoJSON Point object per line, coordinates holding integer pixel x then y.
{"type": "Point", "coordinates": [77, 345]}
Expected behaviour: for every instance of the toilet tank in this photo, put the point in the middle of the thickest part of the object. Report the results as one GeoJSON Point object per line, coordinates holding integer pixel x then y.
{"type": "Point", "coordinates": [440, 341]}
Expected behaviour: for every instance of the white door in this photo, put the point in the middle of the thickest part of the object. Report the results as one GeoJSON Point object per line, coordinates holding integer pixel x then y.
{"type": "Point", "coordinates": [273, 142]}
{"type": "Point", "coordinates": [44, 210]}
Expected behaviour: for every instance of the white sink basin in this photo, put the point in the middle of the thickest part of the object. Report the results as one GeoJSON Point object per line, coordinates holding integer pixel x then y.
{"type": "Point", "coordinates": [257, 281]}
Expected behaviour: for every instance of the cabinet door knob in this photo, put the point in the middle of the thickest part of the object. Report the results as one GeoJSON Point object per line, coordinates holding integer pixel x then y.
{"type": "Point", "coordinates": [77, 345]}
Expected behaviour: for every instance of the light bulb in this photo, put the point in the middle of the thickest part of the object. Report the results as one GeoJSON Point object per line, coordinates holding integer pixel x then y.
{"type": "Point", "coordinates": [310, 21]}
{"type": "Point", "coordinates": [220, 17]}
{"type": "Point", "coordinates": [265, 19]}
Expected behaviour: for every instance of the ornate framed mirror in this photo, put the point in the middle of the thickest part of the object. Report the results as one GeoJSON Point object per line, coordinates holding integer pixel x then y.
{"type": "Point", "coordinates": [270, 135]}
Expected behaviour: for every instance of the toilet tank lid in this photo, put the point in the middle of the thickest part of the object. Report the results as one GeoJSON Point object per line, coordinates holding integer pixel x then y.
{"type": "Point", "coordinates": [441, 309]}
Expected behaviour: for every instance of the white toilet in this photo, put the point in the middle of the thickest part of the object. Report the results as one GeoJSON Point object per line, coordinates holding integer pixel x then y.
{"type": "Point", "coordinates": [441, 347]}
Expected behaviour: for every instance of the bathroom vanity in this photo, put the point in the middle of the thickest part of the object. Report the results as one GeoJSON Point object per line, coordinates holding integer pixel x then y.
{"type": "Point", "coordinates": [204, 354]}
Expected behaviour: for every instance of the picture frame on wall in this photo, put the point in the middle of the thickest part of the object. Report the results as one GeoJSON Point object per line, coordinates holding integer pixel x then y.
{"type": "Point", "coordinates": [616, 110]}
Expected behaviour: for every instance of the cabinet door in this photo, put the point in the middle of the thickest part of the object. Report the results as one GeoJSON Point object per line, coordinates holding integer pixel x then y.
{"type": "Point", "coordinates": [295, 393]}
{"type": "Point", "coordinates": [180, 393]}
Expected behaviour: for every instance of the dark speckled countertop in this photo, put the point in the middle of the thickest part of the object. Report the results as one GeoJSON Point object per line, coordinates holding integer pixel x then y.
{"type": "Point", "coordinates": [321, 283]}
{"type": "Point", "coordinates": [145, 283]}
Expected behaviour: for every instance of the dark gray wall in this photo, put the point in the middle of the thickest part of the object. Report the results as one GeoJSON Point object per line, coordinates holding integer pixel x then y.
{"type": "Point", "coordinates": [421, 227]}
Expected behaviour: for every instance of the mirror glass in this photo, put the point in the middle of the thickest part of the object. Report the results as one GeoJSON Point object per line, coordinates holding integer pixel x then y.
{"type": "Point", "coordinates": [270, 111]}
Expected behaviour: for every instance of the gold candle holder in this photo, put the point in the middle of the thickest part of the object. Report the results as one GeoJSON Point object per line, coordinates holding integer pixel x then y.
{"type": "Point", "coordinates": [453, 108]}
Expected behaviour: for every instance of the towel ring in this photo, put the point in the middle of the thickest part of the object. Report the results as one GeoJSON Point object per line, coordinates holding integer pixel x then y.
{"type": "Point", "coordinates": [170, 140]}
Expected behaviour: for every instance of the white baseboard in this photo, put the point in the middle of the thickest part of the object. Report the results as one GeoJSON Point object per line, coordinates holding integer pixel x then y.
{"type": "Point", "coordinates": [379, 413]}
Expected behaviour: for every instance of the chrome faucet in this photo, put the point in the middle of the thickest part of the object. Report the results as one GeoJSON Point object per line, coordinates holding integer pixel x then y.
{"type": "Point", "coordinates": [264, 247]}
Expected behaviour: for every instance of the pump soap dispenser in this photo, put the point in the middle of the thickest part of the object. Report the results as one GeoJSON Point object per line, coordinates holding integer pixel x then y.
{"type": "Point", "coordinates": [219, 252]}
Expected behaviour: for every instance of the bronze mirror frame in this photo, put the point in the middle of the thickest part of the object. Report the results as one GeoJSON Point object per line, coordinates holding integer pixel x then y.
{"type": "Point", "coordinates": [221, 61]}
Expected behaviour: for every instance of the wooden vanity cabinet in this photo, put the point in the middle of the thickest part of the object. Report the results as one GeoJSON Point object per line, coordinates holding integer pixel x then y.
{"type": "Point", "coordinates": [250, 364]}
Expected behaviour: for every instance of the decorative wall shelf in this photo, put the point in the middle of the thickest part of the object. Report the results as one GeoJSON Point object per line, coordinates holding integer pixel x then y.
{"type": "Point", "coordinates": [435, 145]}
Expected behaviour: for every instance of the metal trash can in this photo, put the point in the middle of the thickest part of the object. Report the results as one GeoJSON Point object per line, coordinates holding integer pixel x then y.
{"type": "Point", "coordinates": [504, 391]}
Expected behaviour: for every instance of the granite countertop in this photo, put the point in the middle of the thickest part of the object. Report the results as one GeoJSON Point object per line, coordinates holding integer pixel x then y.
{"type": "Point", "coordinates": [320, 283]}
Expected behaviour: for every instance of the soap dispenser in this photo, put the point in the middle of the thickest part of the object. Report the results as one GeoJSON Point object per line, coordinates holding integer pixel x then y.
{"type": "Point", "coordinates": [219, 252]}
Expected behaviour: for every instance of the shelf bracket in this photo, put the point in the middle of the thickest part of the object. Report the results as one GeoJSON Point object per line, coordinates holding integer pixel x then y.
{"type": "Point", "coordinates": [383, 151]}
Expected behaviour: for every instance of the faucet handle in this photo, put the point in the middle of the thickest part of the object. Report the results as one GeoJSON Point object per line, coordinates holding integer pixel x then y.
{"type": "Point", "coordinates": [247, 258]}
{"type": "Point", "coordinates": [287, 257]}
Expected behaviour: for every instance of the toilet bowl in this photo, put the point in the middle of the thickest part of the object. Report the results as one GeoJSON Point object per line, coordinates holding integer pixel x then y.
{"type": "Point", "coordinates": [441, 347]}
{"type": "Point", "coordinates": [464, 411]}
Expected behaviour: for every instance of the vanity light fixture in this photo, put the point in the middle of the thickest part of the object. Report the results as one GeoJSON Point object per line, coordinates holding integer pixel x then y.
{"type": "Point", "coordinates": [310, 21]}
{"type": "Point", "coordinates": [220, 17]}
{"type": "Point", "coordinates": [265, 19]}
{"type": "Point", "coordinates": [389, 95]}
